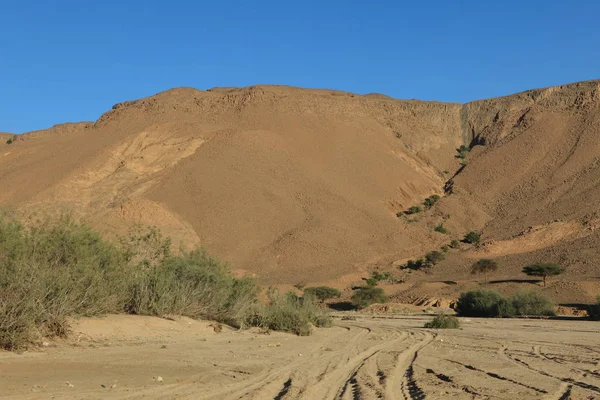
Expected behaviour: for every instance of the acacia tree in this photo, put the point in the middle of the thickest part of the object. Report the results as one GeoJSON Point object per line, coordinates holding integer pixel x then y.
{"type": "Point", "coordinates": [484, 266]}
{"type": "Point", "coordinates": [543, 269]}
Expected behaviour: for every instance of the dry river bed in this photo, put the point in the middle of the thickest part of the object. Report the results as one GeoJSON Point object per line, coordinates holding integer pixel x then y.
{"type": "Point", "coordinates": [371, 357]}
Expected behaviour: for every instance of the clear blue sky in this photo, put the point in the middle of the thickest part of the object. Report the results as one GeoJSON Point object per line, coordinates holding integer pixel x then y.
{"type": "Point", "coordinates": [67, 60]}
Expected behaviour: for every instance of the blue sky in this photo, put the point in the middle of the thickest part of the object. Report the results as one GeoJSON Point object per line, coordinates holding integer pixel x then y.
{"type": "Point", "coordinates": [68, 60]}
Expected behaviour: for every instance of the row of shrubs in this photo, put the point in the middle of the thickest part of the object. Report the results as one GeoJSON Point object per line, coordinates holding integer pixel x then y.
{"type": "Point", "coordinates": [434, 257]}
{"type": "Point", "coordinates": [51, 270]}
{"type": "Point", "coordinates": [489, 303]}
{"type": "Point", "coordinates": [427, 204]}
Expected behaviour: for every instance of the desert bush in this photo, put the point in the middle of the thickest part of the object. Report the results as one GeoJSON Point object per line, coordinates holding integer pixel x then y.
{"type": "Point", "coordinates": [289, 313]}
{"type": "Point", "coordinates": [455, 244]}
{"type": "Point", "coordinates": [532, 303]}
{"type": "Point", "coordinates": [441, 229]}
{"type": "Point", "coordinates": [443, 322]}
{"type": "Point", "coordinates": [484, 303]}
{"type": "Point", "coordinates": [543, 270]}
{"type": "Point", "coordinates": [364, 296]}
{"type": "Point", "coordinates": [445, 248]}
{"type": "Point", "coordinates": [594, 310]}
{"type": "Point", "coordinates": [414, 264]}
{"type": "Point", "coordinates": [323, 293]}
{"type": "Point", "coordinates": [58, 268]}
{"type": "Point", "coordinates": [431, 200]}
{"type": "Point", "coordinates": [472, 237]}
{"type": "Point", "coordinates": [463, 152]}
{"type": "Point", "coordinates": [192, 284]}
{"type": "Point", "coordinates": [51, 271]}
{"type": "Point", "coordinates": [413, 210]}
{"type": "Point", "coordinates": [434, 257]}
{"type": "Point", "coordinates": [484, 266]}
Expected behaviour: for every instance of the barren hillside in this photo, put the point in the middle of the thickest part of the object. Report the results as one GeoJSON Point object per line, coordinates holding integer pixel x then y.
{"type": "Point", "coordinates": [304, 185]}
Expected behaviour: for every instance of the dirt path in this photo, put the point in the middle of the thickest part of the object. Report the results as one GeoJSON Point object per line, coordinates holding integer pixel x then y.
{"type": "Point", "coordinates": [121, 357]}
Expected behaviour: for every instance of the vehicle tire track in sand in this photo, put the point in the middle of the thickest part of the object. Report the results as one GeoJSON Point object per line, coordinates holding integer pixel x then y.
{"type": "Point", "coordinates": [407, 388]}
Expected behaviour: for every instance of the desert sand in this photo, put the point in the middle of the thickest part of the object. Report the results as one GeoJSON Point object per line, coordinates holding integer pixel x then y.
{"type": "Point", "coordinates": [380, 356]}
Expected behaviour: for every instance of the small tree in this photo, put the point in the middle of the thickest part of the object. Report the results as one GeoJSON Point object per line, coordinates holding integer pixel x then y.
{"type": "Point", "coordinates": [323, 293]}
{"type": "Point", "coordinates": [472, 237]}
{"type": "Point", "coordinates": [543, 269]}
{"type": "Point", "coordinates": [484, 266]}
{"type": "Point", "coordinates": [434, 257]}
{"type": "Point", "coordinates": [364, 296]}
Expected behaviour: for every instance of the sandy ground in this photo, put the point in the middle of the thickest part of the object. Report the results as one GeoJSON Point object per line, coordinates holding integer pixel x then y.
{"type": "Point", "coordinates": [371, 357]}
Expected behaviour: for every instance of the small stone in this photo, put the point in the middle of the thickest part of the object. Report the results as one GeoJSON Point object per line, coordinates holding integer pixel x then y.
{"type": "Point", "coordinates": [45, 344]}
{"type": "Point", "coordinates": [69, 384]}
{"type": "Point", "coordinates": [114, 385]}
{"type": "Point", "coordinates": [158, 378]}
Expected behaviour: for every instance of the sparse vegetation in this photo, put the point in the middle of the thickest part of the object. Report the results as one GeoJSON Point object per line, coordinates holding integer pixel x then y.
{"type": "Point", "coordinates": [323, 293]}
{"type": "Point", "coordinates": [532, 303]}
{"type": "Point", "coordinates": [55, 269]}
{"type": "Point", "coordinates": [398, 135]}
{"type": "Point", "coordinates": [289, 313]}
{"type": "Point", "coordinates": [594, 310]}
{"type": "Point", "coordinates": [463, 152]}
{"type": "Point", "coordinates": [414, 264]}
{"type": "Point", "coordinates": [484, 266]}
{"type": "Point", "coordinates": [454, 244]}
{"type": "Point", "coordinates": [434, 257]}
{"type": "Point", "coordinates": [413, 210]}
{"type": "Point", "coordinates": [543, 270]}
{"type": "Point", "coordinates": [472, 237]}
{"type": "Point", "coordinates": [10, 140]}
{"type": "Point", "coordinates": [441, 229]}
{"type": "Point", "coordinates": [443, 322]}
{"type": "Point", "coordinates": [445, 248]}
{"type": "Point", "coordinates": [431, 200]}
{"type": "Point", "coordinates": [364, 296]}
{"type": "Point", "coordinates": [484, 303]}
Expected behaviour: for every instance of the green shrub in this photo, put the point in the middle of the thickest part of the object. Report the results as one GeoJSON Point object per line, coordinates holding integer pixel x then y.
{"type": "Point", "coordinates": [323, 293]}
{"type": "Point", "coordinates": [364, 296]}
{"type": "Point", "coordinates": [289, 313]}
{"type": "Point", "coordinates": [463, 152]}
{"type": "Point", "coordinates": [594, 310]}
{"type": "Point", "coordinates": [441, 229]}
{"type": "Point", "coordinates": [484, 303]}
{"type": "Point", "coordinates": [472, 237]}
{"type": "Point", "coordinates": [445, 248]}
{"type": "Point", "coordinates": [532, 303]}
{"type": "Point", "coordinates": [543, 270]}
{"type": "Point", "coordinates": [60, 268]}
{"type": "Point", "coordinates": [455, 244]}
{"type": "Point", "coordinates": [431, 200]}
{"type": "Point", "coordinates": [413, 210]}
{"type": "Point", "coordinates": [414, 264]}
{"type": "Point", "coordinates": [443, 322]}
{"type": "Point", "coordinates": [434, 257]}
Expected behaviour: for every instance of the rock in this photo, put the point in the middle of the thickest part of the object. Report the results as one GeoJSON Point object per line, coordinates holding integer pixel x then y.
{"type": "Point", "coordinates": [157, 378]}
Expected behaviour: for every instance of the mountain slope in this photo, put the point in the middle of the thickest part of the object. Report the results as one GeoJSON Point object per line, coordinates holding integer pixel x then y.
{"type": "Point", "coordinates": [304, 185]}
